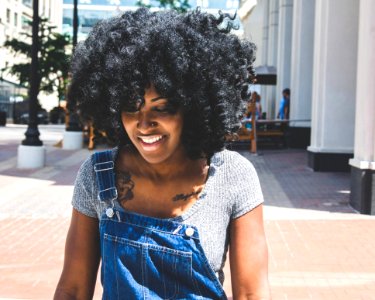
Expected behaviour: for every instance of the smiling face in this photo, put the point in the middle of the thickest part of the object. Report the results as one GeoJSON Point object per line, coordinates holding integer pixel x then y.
{"type": "Point", "coordinates": [155, 129]}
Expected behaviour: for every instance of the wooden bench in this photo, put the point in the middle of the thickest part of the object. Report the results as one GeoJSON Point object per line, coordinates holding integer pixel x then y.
{"type": "Point", "coordinates": [272, 131]}
{"type": "Point", "coordinates": [271, 127]}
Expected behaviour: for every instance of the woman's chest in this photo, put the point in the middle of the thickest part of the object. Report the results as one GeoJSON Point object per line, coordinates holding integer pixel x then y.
{"type": "Point", "coordinates": [163, 200]}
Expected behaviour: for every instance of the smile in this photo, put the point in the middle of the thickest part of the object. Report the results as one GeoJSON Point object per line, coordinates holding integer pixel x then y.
{"type": "Point", "coordinates": [150, 139]}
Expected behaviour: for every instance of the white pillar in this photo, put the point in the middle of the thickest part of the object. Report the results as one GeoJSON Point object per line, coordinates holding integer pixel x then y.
{"type": "Point", "coordinates": [31, 157]}
{"type": "Point", "coordinates": [301, 72]}
{"type": "Point", "coordinates": [270, 96]}
{"type": "Point", "coordinates": [362, 196]}
{"type": "Point", "coordinates": [284, 48]}
{"type": "Point", "coordinates": [265, 30]}
{"type": "Point", "coordinates": [72, 140]}
{"type": "Point", "coordinates": [334, 84]}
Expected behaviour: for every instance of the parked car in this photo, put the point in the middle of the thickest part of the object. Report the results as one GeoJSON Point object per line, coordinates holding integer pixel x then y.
{"type": "Point", "coordinates": [42, 117]}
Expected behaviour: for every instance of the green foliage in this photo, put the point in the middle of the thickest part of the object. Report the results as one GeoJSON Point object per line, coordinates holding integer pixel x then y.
{"type": "Point", "coordinates": [178, 5]}
{"type": "Point", "coordinates": [53, 63]}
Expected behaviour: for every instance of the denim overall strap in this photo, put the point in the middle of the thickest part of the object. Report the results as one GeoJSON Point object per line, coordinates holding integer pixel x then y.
{"type": "Point", "coordinates": [105, 176]}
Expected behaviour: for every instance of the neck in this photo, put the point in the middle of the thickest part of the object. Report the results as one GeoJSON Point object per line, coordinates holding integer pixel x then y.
{"type": "Point", "coordinates": [178, 165]}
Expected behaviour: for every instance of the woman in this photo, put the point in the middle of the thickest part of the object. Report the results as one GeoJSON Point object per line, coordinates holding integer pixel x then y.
{"type": "Point", "coordinates": [258, 107]}
{"type": "Point", "coordinates": [162, 208]}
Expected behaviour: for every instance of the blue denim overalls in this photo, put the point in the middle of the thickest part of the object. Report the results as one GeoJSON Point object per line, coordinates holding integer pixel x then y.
{"type": "Point", "coordinates": [145, 257]}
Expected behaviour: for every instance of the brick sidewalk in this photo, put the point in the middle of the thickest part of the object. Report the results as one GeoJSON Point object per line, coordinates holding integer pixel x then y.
{"type": "Point", "coordinates": [319, 247]}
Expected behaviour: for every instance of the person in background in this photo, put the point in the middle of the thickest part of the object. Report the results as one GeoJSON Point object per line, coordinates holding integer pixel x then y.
{"type": "Point", "coordinates": [161, 209]}
{"type": "Point", "coordinates": [283, 113]}
{"type": "Point", "coordinates": [253, 104]}
{"type": "Point", "coordinates": [258, 106]}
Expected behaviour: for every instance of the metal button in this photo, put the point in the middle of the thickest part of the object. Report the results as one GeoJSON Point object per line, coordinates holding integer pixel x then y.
{"type": "Point", "coordinates": [189, 231]}
{"type": "Point", "coordinates": [109, 212]}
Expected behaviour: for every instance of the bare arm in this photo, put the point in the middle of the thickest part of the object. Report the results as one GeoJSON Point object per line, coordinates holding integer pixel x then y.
{"type": "Point", "coordinates": [82, 257]}
{"type": "Point", "coordinates": [286, 112]}
{"type": "Point", "coordinates": [249, 257]}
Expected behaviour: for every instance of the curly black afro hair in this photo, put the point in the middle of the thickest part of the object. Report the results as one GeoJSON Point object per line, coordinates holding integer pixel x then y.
{"type": "Point", "coordinates": [191, 58]}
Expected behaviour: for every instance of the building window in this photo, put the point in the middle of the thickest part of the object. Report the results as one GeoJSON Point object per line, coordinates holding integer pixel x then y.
{"type": "Point", "coordinates": [8, 15]}
{"type": "Point", "coordinates": [25, 23]}
{"type": "Point", "coordinates": [86, 20]}
{"type": "Point", "coordinates": [27, 3]}
{"type": "Point", "coordinates": [15, 19]}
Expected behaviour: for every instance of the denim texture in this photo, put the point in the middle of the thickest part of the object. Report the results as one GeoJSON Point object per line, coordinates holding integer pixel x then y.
{"type": "Point", "coordinates": [149, 258]}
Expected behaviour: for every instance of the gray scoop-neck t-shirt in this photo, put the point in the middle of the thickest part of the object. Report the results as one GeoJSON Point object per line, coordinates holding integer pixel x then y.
{"type": "Point", "coordinates": [232, 189]}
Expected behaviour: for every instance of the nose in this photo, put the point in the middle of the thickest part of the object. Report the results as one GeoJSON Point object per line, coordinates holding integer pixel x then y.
{"type": "Point", "coordinates": [145, 121]}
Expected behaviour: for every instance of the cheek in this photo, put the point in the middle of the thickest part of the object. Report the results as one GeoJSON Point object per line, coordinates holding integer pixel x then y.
{"type": "Point", "coordinates": [178, 136]}
{"type": "Point", "coordinates": [178, 125]}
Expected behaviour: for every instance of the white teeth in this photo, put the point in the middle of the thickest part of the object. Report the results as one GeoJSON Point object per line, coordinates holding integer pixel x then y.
{"type": "Point", "coordinates": [151, 140]}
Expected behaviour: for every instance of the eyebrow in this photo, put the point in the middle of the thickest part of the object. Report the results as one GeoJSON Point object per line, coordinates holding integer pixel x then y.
{"type": "Point", "coordinates": [158, 98]}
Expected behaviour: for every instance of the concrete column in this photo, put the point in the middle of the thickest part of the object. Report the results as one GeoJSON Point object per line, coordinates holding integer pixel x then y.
{"type": "Point", "coordinates": [301, 73]}
{"type": "Point", "coordinates": [362, 196]}
{"type": "Point", "coordinates": [270, 97]}
{"type": "Point", "coordinates": [284, 48]}
{"type": "Point", "coordinates": [265, 30]}
{"type": "Point", "coordinates": [334, 84]}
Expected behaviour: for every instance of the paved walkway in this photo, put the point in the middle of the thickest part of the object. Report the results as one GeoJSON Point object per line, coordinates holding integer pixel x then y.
{"type": "Point", "coordinates": [319, 247]}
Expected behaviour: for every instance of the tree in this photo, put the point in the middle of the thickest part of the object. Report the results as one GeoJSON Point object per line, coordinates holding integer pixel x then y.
{"type": "Point", "coordinates": [178, 5]}
{"type": "Point", "coordinates": [53, 59]}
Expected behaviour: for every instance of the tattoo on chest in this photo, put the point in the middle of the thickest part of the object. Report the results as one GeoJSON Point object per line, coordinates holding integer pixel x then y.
{"type": "Point", "coordinates": [125, 186]}
{"type": "Point", "coordinates": [185, 197]}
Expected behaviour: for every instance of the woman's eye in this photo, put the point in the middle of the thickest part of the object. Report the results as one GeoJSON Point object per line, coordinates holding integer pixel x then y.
{"type": "Point", "coordinates": [161, 109]}
{"type": "Point", "coordinates": [167, 109]}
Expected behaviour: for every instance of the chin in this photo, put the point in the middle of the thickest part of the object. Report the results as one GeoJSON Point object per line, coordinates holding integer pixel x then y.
{"type": "Point", "coordinates": [154, 159]}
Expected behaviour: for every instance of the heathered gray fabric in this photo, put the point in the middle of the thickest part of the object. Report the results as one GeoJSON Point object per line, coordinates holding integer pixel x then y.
{"type": "Point", "coordinates": [232, 189]}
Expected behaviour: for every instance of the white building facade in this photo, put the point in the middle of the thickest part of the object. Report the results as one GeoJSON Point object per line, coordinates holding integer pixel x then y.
{"type": "Point", "coordinates": [14, 18]}
{"type": "Point", "coordinates": [324, 51]}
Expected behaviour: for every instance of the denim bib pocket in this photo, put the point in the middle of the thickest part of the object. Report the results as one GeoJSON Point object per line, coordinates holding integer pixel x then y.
{"type": "Point", "coordinates": [158, 270]}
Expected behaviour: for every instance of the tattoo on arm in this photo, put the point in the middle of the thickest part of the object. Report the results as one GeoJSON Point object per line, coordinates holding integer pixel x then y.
{"type": "Point", "coordinates": [185, 197]}
{"type": "Point", "coordinates": [125, 186]}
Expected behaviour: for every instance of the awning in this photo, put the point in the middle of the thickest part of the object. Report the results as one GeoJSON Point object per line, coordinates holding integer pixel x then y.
{"type": "Point", "coordinates": [265, 75]}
